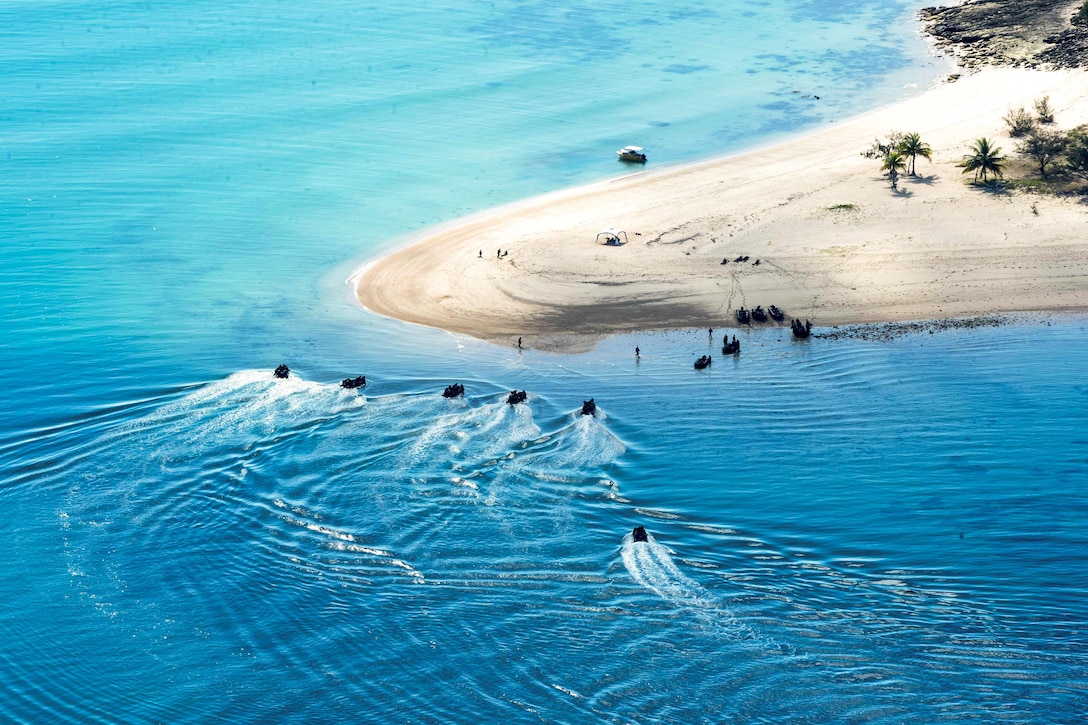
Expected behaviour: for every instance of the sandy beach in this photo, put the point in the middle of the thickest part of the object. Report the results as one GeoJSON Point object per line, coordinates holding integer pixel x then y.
{"type": "Point", "coordinates": [835, 244]}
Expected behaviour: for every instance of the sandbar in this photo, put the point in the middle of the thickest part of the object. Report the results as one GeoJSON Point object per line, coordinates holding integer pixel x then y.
{"type": "Point", "coordinates": [835, 244]}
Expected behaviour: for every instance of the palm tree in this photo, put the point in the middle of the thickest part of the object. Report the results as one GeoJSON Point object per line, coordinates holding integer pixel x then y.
{"type": "Point", "coordinates": [913, 146]}
{"type": "Point", "coordinates": [893, 163]}
{"type": "Point", "coordinates": [984, 159]}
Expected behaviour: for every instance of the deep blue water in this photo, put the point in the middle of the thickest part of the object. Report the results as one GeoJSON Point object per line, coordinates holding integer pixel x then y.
{"type": "Point", "coordinates": [842, 530]}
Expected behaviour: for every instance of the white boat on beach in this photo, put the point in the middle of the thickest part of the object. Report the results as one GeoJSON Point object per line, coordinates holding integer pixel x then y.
{"type": "Point", "coordinates": [632, 153]}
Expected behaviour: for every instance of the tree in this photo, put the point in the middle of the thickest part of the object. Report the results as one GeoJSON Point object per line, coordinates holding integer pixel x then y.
{"type": "Point", "coordinates": [1043, 146]}
{"type": "Point", "coordinates": [1076, 151]}
{"type": "Point", "coordinates": [912, 146]}
{"type": "Point", "coordinates": [1043, 110]}
{"type": "Point", "coordinates": [1019, 121]}
{"type": "Point", "coordinates": [880, 149]}
{"type": "Point", "coordinates": [893, 163]}
{"type": "Point", "coordinates": [984, 159]}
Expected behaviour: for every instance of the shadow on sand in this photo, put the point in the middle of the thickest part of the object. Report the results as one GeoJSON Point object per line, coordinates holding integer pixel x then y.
{"type": "Point", "coordinates": [920, 179]}
{"type": "Point", "coordinates": [997, 187]}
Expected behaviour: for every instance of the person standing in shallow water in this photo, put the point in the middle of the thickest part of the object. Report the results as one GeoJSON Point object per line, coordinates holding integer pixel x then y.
{"type": "Point", "coordinates": [519, 343]}
{"type": "Point", "coordinates": [637, 352]}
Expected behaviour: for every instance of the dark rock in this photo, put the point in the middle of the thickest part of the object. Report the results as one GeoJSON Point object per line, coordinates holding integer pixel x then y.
{"type": "Point", "coordinates": [1024, 33]}
{"type": "Point", "coordinates": [885, 331]}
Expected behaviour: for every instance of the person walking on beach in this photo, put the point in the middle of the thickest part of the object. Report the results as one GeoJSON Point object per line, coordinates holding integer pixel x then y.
{"type": "Point", "coordinates": [519, 343]}
{"type": "Point", "coordinates": [481, 254]}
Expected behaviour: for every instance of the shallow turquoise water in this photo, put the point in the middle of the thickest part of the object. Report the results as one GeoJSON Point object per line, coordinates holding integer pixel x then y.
{"type": "Point", "coordinates": [842, 530]}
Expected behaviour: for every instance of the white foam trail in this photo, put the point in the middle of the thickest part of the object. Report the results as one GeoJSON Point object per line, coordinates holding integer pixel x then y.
{"type": "Point", "coordinates": [554, 460]}
{"type": "Point", "coordinates": [490, 431]}
{"type": "Point", "coordinates": [512, 424]}
{"type": "Point", "coordinates": [452, 428]}
{"type": "Point", "coordinates": [246, 405]}
{"type": "Point", "coordinates": [650, 565]}
{"type": "Point", "coordinates": [587, 443]}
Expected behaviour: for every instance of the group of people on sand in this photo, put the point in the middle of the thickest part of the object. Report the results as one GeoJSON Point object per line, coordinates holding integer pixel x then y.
{"type": "Point", "coordinates": [499, 254]}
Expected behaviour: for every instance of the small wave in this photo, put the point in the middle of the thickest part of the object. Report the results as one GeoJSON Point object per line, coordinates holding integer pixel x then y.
{"type": "Point", "coordinates": [379, 554]}
{"type": "Point", "coordinates": [658, 514]}
{"type": "Point", "coordinates": [334, 539]}
{"type": "Point", "coordinates": [568, 691]}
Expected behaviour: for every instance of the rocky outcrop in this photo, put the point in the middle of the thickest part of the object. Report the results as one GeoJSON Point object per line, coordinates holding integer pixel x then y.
{"type": "Point", "coordinates": [1031, 33]}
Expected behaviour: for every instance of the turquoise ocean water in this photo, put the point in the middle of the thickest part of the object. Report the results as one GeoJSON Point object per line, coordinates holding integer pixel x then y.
{"type": "Point", "coordinates": [842, 530]}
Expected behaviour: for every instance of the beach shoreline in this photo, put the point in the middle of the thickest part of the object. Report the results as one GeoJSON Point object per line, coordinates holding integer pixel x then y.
{"type": "Point", "coordinates": [834, 242]}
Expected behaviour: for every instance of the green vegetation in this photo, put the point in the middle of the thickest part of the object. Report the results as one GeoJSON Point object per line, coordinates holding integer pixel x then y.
{"type": "Point", "coordinates": [843, 207]}
{"type": "Point", "coordinates": [894, 162]}
{"type": "Point", "coordinates": [1043, 146]}
{"type": "Point", "coordinates": [897, 154]}
{"type": "Point", "coordinates": [912, 147]}
{"type": "Point", "coordinates": [1043, 110]}
{"type": "Point", "coordinates": [880, 149]}
{"type": "Point", "coordinates": [984, 159]}
{"type": "Point", "coordinates": [1076, 150]}
{"type": "Point", "coordinates": [1037, 186]}
{"type": "Point", "coordinates": [1019, 121]}
{"type": "Point", "coordinates": [1054, 162]}
{"type": "Point", "coordinates": [1047, 160]}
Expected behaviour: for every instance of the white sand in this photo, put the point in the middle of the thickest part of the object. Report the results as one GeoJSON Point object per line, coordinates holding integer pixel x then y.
{"type": "Point", "coordinates": [940, 248]}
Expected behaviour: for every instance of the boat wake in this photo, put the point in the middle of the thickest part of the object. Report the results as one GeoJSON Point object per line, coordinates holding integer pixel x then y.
{"type": "Point", "coordinates": [249, 405]}
{"type": "Point", "coordinates": [651, 565]}
{"type": "Point", "coordinates": [586, 442]}
{"type": "Point", "coordinates": [470, 437]}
